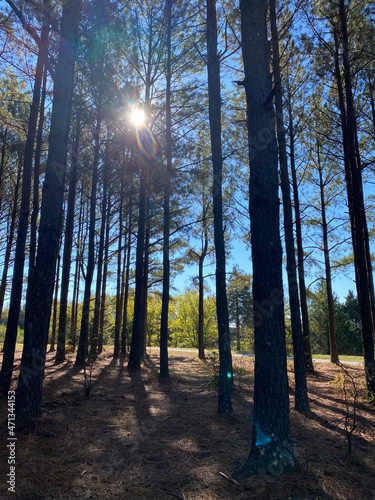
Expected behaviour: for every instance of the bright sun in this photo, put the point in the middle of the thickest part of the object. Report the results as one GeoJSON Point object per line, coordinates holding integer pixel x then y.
{"type": "Point", "coordinates": [137, 117]}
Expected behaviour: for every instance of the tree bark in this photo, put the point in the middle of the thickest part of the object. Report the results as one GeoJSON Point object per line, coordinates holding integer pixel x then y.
{"type": "Point", "coordinates": [301, 397]}
{"type": "Point", "coordinates": [136, 341]}
{"type": "Point", "coordinates": [29, 390]}
{"type": "Point", "coordinates": [327, 263]}
{"type": "Point", "coordinates": [99, 272]}
{"type": "Point", "coordinates": [84, 333]}
{"type": "Point", "coordinates": [272, 450]}
{"type": "Point", "coordinates": [124, 329]}
{"type": "Point", "coordinates": [300, 256]}
{"type": "Point", "coordinates": [105, 274]}
{"type": "Point", "coordinates": [9, 246]}
{"type": "Point", "coordinates": [68, 246]}
{"type": "Point", "coordinates": [19, 259]}
{"type": "Point", "coordinates": [55, 301]}
{"type": "Point", "coordinates": [356, 206]}
{"type": "Point", "coordinates": [119, 305]}
{"type": "Point", "coordinates": [164, 367]}
{"type": "Point", "coordinates": [214, 97]}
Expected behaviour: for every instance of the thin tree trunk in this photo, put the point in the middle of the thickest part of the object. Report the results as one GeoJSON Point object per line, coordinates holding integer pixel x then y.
{"type": "Point", "coordinates": [300, 255]}
{"type": "Point", "coordinates": [29, 390]}
{"type": "Point", "coordinates": [105, 274]}
{"type": "Point", "coordinates": [357, 211]}
{"type": "Point", "coordinates": [301, 397]}
{"type": "Point", "coordinates": [118, 320]}
{"type": "Point", "coordinates": [327, 263]}
{"type": "Point", "coordinates": [77, 278]}
{"type": "Point", "coordinates": [99, 272]}
{"type": "Point", "coordinates": [68, 245]}
{"type": "Point", "coordinates": [9, 246]}
{"type": "Point", "coordinates": [55, 302]}
{"type": "Point", "coordinates": [272, 449]}
{"type": "Point", "coordinates": [214, 96]}
{"type": "Point", "coordinates": [201, 354]}
{"type": "Point", "coordinates": [127, 273]}
{"type": "Point", "coordinates": [35, 210]}
{"type": "Point", "coordinates": [164, 364]}
{"type": "Point", "coordinates": [19, 260]}
{"type": "Point", "coordinates": [2, 163]}
{"type": "Point", "coordinates": [145, 286]}
{"type": "Point", "coordinates": [201, 259]}
{"type": "Point", "coordinates": [84, 333]}
{"type": "Point", "coordinates": [238, 326]}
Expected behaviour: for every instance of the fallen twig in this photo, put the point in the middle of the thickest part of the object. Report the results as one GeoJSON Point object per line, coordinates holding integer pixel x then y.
{"type": "Point", "coordinates": [230, 479]}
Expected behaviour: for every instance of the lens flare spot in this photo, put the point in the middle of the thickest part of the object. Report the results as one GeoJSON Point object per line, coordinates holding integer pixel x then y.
{"type": "Point", "coordinates": [137, 117]}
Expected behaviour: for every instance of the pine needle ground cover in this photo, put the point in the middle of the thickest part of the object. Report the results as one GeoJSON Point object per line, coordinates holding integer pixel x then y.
{"type": "Point", "coordinates": [136, 437]}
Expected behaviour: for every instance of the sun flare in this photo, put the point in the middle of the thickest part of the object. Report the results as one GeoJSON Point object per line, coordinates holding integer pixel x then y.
{"type": "Point", "coordinates": [137, 117]}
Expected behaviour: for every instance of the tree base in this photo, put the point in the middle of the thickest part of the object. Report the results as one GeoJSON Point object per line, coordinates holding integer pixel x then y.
{"type": "Point", "coordinates": [273, 459]}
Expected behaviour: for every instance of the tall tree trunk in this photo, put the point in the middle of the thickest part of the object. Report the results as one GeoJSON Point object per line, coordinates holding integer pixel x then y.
{"type": "Point", "coordinates": [68, 245]}
{"type": "Point", "coordinates": [29, 390]}
{"type": "Point", "coordinates": [55, 302]}
{"type": "Point", "coordinates": [136, 341]}
{"type": "Point", "coordinates": [77, 279]}
{"type": "Point", "coordinates": [300, 255]}
{"type": "Point", "coordinates": [99, 272]}
{"type": "Point", "coordinates": [105, 274]}
{"type": "Point", "coordinates": [146, 272]}
{"type": "Point", "coordinates": [84, 333]}
{"type": "Point", "coordinates": [2, 163]}
{"type": "Point", "coordinates": [127, 272]}
{"type": "Point", "coordinates": [272, 449]}
{"type": "Point", "coordinates": [356, 207]}
{"type": "Point", "coordinates": [214, 96]}
{"type": "Point", "coordinates": [9, 246]}
{"type": "Point", "coordinates": [201, 259]}
{"type": "Point", "coordinates": [327, 263]}
{"type": "Point", "coordinates": [201, 354]}
{"type": "Point", "coordinates": [19, 260]}
{"type": "Point", "coordinates": [118, 320]}
{"type": "Point", "coordinates": [164, 365]}
{"type": "Point", "coordinates": [38, 151]}
{"type": "Point", "coordinates": [301, 397]}
{"type": "Point", "coordinates": [238, 326]}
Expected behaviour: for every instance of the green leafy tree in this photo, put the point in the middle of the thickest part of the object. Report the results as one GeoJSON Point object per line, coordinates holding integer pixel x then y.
{"type": "Point", "coordinates": [240, 306]}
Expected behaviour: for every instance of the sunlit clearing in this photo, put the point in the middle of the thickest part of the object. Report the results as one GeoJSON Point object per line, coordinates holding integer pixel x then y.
{"type": "Point", "coordinates": [137, 117]}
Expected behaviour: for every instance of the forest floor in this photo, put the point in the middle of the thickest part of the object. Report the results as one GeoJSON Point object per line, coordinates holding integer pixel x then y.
{"type": "Point", "coordinates": [135, 437]}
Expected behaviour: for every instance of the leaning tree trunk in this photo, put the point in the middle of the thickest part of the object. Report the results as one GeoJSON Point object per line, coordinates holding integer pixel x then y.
{"type": "Point", "coordinates": [29, 390]}
{"type": "Point", "coordinates": [12, 227]}
{"type": "Point", "coordinates": [301, 397]}
{"type": "Point", "coordinates": [19, 259]}
{"type": "Point", "coordinates": [36, 184]}
{"type": "Point", "coordinates": [272, 450]}
{"type": "Point", "coordinates": [214, 97]}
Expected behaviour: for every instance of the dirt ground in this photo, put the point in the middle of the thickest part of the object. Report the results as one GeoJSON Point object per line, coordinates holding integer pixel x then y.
{"type": "Point", "coordinates": [136, 437]}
